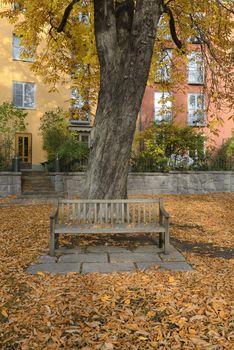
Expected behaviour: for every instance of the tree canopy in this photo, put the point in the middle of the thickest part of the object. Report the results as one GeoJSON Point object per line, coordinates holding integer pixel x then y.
{"type": "Point", "coordinates": [110, 49]}
{"type": "Point", "coordinates": [62, 38]}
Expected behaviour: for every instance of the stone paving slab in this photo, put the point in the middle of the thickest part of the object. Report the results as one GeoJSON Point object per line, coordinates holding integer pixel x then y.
{"type": "Point", "coordinates": [107, 267]}
{"type": "Point", "coordinates": [148, 249]}
{"type": "Point", "coordinates": [44, 259]}
{"type": "Point", "coordinates": [54, 268]}
{"type": "Point", "coordinates": [107, 249]}
{"type": "Point", "coordinates": [134, 257]}
{"type": "Point", "coordinates": [172, 256]}
{"type": "Point", "coordinates": [91, 257]}
{"type": "Point", "coordinates": [65, 250]}
{"type": "Point", "coordinates": [162, 266]}
{"type": "Point", "coordinates": [107, 259]}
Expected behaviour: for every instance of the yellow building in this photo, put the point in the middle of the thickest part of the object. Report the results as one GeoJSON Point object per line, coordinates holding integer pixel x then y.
{"type": "Point", "coordinates": [19, 85]}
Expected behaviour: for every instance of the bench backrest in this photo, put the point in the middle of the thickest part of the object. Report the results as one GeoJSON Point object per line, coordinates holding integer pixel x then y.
{"type": "Point", "coordinates": [129, 211]}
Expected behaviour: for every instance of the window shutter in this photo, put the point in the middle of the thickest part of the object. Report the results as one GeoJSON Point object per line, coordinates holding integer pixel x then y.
{"type": "Point", "coordinates": [18, 94]}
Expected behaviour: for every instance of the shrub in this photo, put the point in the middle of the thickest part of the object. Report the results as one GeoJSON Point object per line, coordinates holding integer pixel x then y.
{"type": "Point", "coordinates": [59, 141]}
{"type": "Point", "coordinates": [168, 146]}
{"type": "Point", "coordinates": [12, 120]}
{"type": "Point", "coordinates": [54, 129]}
{"type": "Point", "coordinates": [224, 159]}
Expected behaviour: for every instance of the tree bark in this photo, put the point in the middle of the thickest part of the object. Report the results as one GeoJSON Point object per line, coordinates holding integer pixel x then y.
{"type": "Point", "coordinates": [125, 35]}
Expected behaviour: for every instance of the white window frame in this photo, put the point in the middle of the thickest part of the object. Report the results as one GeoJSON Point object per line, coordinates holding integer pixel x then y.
{"type": "Point", "coordinates": [17, 50]}
{"type": "Point", "coordinates": [196, 69]}
{"type": "Point", "coordinates": [77, 101]}
{"type": "Point", "coordinates": [77, 104]}
{"type": "Point", "coordinates": [166, 36]}
{"type": "Point", "coordinates": [16, 6]}
{"type": "Point", "coordinates": [163, 73]}
{"type": "Point", "coordinates": [83, 17]}
{"type": "Point", "coordinates": [162, 106]}
{"type": "Point", "coordinates": [24, 102]}
{"type": "Point", "coordinates": [196, 113]}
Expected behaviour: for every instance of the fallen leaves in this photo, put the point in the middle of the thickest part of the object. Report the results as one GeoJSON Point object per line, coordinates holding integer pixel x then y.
{"type": "Point", "coordinates": [139, 310]}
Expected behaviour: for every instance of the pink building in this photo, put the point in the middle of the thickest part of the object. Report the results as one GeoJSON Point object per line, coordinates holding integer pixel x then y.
{"type": "Point", "coordinates": [187, 103]}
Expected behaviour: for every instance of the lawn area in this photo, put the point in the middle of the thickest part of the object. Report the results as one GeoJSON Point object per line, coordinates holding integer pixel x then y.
{"type": "Point", "coordinates": [138, 310]}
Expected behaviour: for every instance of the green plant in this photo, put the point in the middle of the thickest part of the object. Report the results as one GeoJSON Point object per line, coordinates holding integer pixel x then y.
{"type": "Point", "coordinates": [224, 158]}
{"type": "Point", "coordinates": [71, 153]}
{"type": "Point", "coordinates": [12, 120]}
{"type": "Point", "coordinates": [168, 146]}
{"type": "Point", "coordinates": [54, 130]}
{"type": "Point", "coordinates": [59, 141]}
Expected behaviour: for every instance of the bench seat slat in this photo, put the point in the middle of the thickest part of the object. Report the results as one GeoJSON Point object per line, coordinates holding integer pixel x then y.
{"type": "Point", "coordinates": [87, 201]}
{"type": "Point", "coordinates": [116, 228]}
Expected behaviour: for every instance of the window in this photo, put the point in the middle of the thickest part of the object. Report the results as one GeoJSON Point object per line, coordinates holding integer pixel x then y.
{"type": "Point", "coordinates": [195, 68]}
{"type": "Point", "coordinates": [16, 6]}
{"type": "Point", "coordinates": [18, 49]}
{"type": "Point", "coordinates": [80, 109]}
{"type": "Point", "coordinates": [195, 39]}
{"type": "Point", "coordinates": [196, 109]}
{"type": "Point", "coordinates": [77, 100]}
{"type": "Point", "coordinates": [164, 66]}
{"type": "Point", "coordinates": [83, 17]}
{"type": "Point", "coordinates": [163, 30]}
{"type": "Point", "coordinates": [162, 106]}
{"type": "Point", "coordinates": [24, 95]}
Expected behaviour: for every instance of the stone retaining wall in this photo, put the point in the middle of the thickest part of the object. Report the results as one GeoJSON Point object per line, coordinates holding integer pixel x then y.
{"type": "Point", "coordinates": [155, 183]}
{"type": "Point", "coordinates": [138, 183]}
{"type": "Point", "coordinates": [10, 183]}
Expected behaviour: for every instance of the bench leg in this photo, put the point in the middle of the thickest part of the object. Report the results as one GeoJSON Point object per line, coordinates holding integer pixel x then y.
{"type": "Point", "coordinates": [52, 244]}
{"type": "Point", "coordinates": [52, 239]}
{"type": "Point", "coordinates": [160, 243]}
{"type": "Point", "coordinates": [56, 241]}
{"type": "Point", "coordinates": [166, 238]}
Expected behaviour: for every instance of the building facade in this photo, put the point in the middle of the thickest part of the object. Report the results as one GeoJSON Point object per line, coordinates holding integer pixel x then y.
{"type": "Point", "coordinates": [18, 84]}
{"type": "Point", "coordinates": [186, 105]}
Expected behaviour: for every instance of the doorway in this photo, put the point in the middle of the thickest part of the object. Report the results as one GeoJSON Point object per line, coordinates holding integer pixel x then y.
{"type": "Point", "coordinates": [24, 149]}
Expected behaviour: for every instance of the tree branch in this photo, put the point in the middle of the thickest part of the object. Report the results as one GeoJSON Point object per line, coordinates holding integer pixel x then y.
{"type": "Point", "coordinates": [220, 3]}
{"type": "Point", "coordinates": [172, 27]}
{"type": "Point", "coordinates": [66, 16]}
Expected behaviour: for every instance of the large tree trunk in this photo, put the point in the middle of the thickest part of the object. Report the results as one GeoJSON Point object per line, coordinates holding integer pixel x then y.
{"type": "Point", "coordinates": [125, 35]}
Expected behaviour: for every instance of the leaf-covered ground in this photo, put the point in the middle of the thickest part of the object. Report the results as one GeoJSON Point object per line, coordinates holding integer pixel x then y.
{"type": "Point", "coordinates": [137, 310]}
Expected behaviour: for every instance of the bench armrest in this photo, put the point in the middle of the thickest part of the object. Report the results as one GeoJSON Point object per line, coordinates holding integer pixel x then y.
{"type": "Point", "coordinates": [162, 210]}
{"type": "Point", "coordinates": [54, 213]}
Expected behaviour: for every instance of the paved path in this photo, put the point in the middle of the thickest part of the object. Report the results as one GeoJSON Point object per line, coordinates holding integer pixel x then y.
{"type": "Point", "coordinates": [105, 259]}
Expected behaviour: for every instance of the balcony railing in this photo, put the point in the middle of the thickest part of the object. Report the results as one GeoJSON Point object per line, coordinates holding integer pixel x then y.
{"type": "Point", "coordinates": [78, 116]}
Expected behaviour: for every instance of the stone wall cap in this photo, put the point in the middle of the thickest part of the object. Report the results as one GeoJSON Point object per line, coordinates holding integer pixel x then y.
{"type": "Point", "coordinates": [11, 173]}
{"type": "Point", "coordinates": [65, 174]}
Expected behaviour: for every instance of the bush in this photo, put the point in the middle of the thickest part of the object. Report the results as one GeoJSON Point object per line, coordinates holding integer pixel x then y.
{"type": "Point", "coordinates": [54, 129]}
{"type": "Point", "coordinates": [12, 120]}
{"type": "Point", "coordinates": [72, 154]}
{"type": "Point", "coordinates": [59, 141]}
{"type": "Point", "coordinates": [168, 146]}
{"type": "Point", "coordinates": [224, 159]}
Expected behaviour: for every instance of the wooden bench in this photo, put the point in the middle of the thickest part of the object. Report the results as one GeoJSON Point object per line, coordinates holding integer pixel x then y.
{"type": "Point", "coordinates": [75, 217]}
